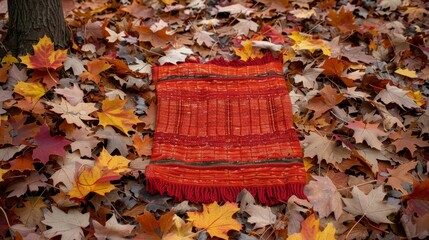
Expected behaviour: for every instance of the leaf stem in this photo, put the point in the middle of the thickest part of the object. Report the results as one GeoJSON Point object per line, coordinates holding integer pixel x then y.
{"type": "Point", "coordinates": [357, 185]}
{"type": "Point", "coordinates": [351, 229]}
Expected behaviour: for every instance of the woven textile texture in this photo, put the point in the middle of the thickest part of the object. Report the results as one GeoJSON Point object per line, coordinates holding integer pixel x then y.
{"type": "Point", "coordinates": [223, 127]}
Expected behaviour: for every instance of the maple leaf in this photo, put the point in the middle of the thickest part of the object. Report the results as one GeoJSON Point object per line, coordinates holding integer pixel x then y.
{"type": "Point", "coordinates": [328, 99]}
{"type": "Point", "coordinates": [115, 140]}
{"type": "Point", "coordinates": [82, 141]}
{"type": "Point", "coordinates": [420, 191]}
{"type": "Point", "coordinates": [44, 55]}
{"type": "Point", "coordinates": [70, 165]}
{"type": "Point", "coordinates": [310, 229]}
{"type": "Point", "coordinates": [368, 132]}
{"type": "Point", "coordinates": [337, 68]}
{"type": "Point", "coordinates": [415, 13]}
{"type": "Point", "coordinates": [244, 26]}
{"type": "Point", "coordinates": [112, 165]}
{"type": "Point", "coordinates": [90, 180]}
{"type": "Point", "coordinates": [95, 67]}
{"type": "Point", "coordinates": [150, 118]}
{"type": "Point", "coordinates": [203, 37]}
{"type": "Point", "coordinates": [152, 228]}
{"type": "Point", "coordinates": [400, 175]}
{"type": "Point", "coordinates": [343, 20]}
{"type": "Point", "coordinates": [216, 220]}
{"type": "Point", "coordinates": [370, 206]}
{"type": "Point", "coordinates": [114, 114]}
{"type": "Point", "coordinates": [324, 149]}
{"type": "Point", "coordinates": [175, 55]}
{"type": "Point", "coordinates": [22, 163]}
{"type": "Point", "coordinates": [47, 145]}
{"type": "Point", "coordinates": [324, 196]}
{"type": "Point", "coordinates": [112, 229]}
{"type": "Point", "coordinates": [69, 225]}
{"type": "Point", "coordinates": [236, 9]}
{"type": "Point", "coordinates": [272, 33]}
{"type": "Point", "coordinates": [32, 182]}
{"type": "Point", "coordinates": [30, 90]}
{"type": "Point", "coordinates": [180, 230]}
{"type": "Point", "coordinates": [73, 114]}
{"type": "Point", "coordinates": [308, 77]}
{"type": "Point", "coordinates": [407, 140]}
{"type": "Point", "coordinates": [260, 216]}
{"type": "Point", "coordinates": [74, 94]}
{"type": "Point", "coordinates": [75, 64]}
{"type": "Point", "coordinates": [247, 52]}
{"type": "Point", "coordinates": [113, 36]}
{"type": "Point", "coordinates": [138, 10]}
{"type": "Point", "coordinates": [143, 146]}
{"type": "Point", "coordinates": [159, 38]}
{"type": "Point", "coordinates": [396, 95]}
{"type": "Point", "coordinates": [31, 213]}
{"type": "Point", "coordinates": [306, 42]}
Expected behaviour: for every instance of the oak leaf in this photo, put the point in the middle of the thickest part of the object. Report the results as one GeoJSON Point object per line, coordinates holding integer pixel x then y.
{"type": "Point", "coordinates": [112, 229]}
{"type": "Point", "coordinates": [216, 220]}
{"type": "Point", "coordinates": [368, 132]}
{"type": "Point", "coordinates": [324, 196]}
{"type": "Point", "coordinates": [329, 98]}
{"type": "Point", "coordinates": [44, 55]}
{"type": "Point", "coordinates": [48, 145]}
{"type": "Point", "coordinates": [400, 175]}
{"type": "Point", "coordinates": [371, 206]}
{"type": "Point", "coordinates": [69, 225]}
{"type": "Point", "coordinates": [114, 114]}
{"type": "Point", "coordinates": [310, 229]}
{"type": "Point", "coordinates": [95, 67]}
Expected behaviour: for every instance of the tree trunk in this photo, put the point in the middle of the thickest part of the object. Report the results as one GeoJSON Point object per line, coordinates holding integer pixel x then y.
{"type": "Point", "coordinates": [30, 20]}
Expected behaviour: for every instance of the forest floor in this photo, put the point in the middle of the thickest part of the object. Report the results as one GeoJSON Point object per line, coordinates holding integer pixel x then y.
{"type": "Point", "coordinates": [358, 77]}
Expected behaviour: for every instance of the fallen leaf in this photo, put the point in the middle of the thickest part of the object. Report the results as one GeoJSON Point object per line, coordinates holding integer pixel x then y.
{"type": "Point", "coordinates": [95, 67]}
{"type": "Point", "coordinates": [31, 90]}
{"type": "Point", "coordinates": [244, 26]}
{"type": "Point", "coordinates": [324, 149]}
{"type": "Point", "coordinates": [114, 114]}
{"type": "Point", "coordinates": [175, 55]}
{"type": "Point", "coordinates": [343, 20]}
{"type": "Point", "coordinates": [112, 229]}
{"type": "Point", "coordinates": [143, 146]}
{"type": "Point", "coordinates": [310, 229]}
{"type": "Point", "coordinates": [152, 228]}
{"type": "Point", "coordinates": [74, 94]}
{"type": "Point", "coordinates": [115, 140]}
{"type": "Point", "coordinates": [48, 145]}
{"type": "Point", "coordinates": [216, 220]}
{"type": "Point", "coordinates": [406, 73]}
{"type": "Point", "coordinates": [405, 140]}
{"type": "Point", "coordinates": [260, 216]}
{"type": "Point", "coordinates": [329, 98]}
{"type": "Point", "coordinates": [44, 56]}
{"type": "Point", "coordinates": [371, 206]}
{"type": "Point", "coordinates": [393, 94]}
{"type": "Point", "coordinates": [324, 196]}
{"type": "Point", "coordinates": [32, 182]}
{"type": "Point", "coordinates": [306, 42]}
{"type": "Point", "coordinates": [31, 213]}
{"type": "Point", "coordinates": [69, 225]}
{"type": "Point", "coordinates": [400, 175]}
{"type": "Point", "coordinates": [73, 114]}
{"type": "Point", "coordinates": [368, 132]}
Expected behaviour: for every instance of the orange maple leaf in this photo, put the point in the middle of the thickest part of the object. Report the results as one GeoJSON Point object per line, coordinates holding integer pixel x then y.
{"type": "Point", "coordinates": [328, 99]}
{"type": "Point", "coordinates": [310, 229]}
{"type": "Point", "coordinates": [343, 20]}
{"type": "Point", "coordinates": [90, 180]}
{"type": "Point", "coordinates": [337, 68]}
{"type": "Point", "coordinates": [143, 146]}
{"type": "Point", "coordinates": [152, 228]}
{"type": "Point", "coordinates": [115, 114]}
{"type": "Point", "coordinates": [159, 38]}
{"type": "Point", "coordinates": [95, 67]}
{"type": "Point", "coordinates": [217, 220]}
{"type": "Point", "coordinates": [44, 55]}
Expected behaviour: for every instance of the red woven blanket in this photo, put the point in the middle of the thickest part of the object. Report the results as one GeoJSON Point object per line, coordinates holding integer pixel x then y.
{"type": "Point", "coordinates": [222, 128]}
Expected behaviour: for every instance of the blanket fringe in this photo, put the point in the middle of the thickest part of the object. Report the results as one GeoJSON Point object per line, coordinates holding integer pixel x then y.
{"type": "Point", "coordinates": [269, 195]}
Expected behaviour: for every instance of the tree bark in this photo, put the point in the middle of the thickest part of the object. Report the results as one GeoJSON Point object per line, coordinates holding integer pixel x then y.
{"type": "Point", "coordinates": [30, 20]}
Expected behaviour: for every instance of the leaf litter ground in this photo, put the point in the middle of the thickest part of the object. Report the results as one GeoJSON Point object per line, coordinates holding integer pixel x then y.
{"type": "Point", "coordinates": [77, 124]}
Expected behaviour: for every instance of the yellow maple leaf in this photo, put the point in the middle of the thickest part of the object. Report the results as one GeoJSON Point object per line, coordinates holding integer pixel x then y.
{"type": "Point", "coordinates": [216, 220]}
{"type": "Point", "coordinates": [30, 90]}
{"type": "Point", "coordinates": [9, 59]}
{"type": "Point", "coordinates": [114, 165]}
{"type": "Point", "coordinates": [44, 55]}
{"type": "Point", "coordinates": [90, 180]}
{"type": "Point", "coordinates": [247, 51]}
{"type": "Point", "coordinates": [180, 230]}
{"type": "Point", "coordinates": [310, 229]}
{"type": "Point", "coordinates": [417, 97]}
{"type": "Point", "coordinates": [168, 2]}
{"type": "Point", "coordinates": [306, 42]}
{"type": "Point", "coordinates": [406, 72]}
{"type": "Point", "coordinates": [115, 114]}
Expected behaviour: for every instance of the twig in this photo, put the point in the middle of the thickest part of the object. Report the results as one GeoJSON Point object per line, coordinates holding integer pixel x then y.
{"type": "Point", "coordinates": [357, 185]}
{"type": "Point", "coordinates": [351, 229]}
{"type": "Point", "coordinates": [7, 221]}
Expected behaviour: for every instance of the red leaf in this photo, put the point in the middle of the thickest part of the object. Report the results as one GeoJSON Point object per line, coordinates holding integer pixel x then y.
{"type": "Point", "coordinates": [47, 145]}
